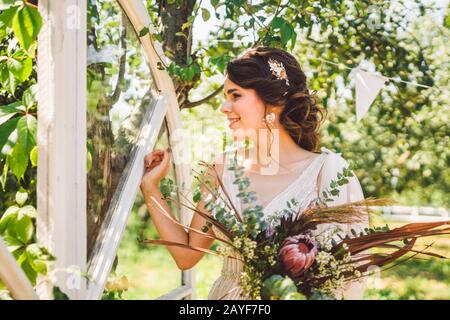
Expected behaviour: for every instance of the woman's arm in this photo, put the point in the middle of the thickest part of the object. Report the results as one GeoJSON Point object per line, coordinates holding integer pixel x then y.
{"type": "Point", "coordinates": [157, 167]}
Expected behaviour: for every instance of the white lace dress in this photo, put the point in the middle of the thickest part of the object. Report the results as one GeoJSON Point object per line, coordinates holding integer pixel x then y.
{"type": "Point", "coordinates": [304, 189]}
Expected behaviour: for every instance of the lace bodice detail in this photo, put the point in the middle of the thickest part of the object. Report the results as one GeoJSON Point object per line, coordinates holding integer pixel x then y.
{"type": "Point", "coordinates": [304, 188]}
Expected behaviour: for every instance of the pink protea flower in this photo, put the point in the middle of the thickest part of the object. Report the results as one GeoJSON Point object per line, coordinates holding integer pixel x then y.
{"type": "Point", "coordinates": [297, 254]}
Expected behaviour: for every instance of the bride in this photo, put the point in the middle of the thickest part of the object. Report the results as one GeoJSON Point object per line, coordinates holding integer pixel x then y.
{"type": "Point", "coordinates": [268, 102]}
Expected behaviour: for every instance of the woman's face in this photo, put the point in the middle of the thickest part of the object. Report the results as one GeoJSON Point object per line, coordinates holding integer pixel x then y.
{"type": "Point", "coordinates": [243, 107]}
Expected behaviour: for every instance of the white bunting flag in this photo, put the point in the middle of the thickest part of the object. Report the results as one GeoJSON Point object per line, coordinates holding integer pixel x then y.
{"type": "Point", "coordinates": [367, 87]}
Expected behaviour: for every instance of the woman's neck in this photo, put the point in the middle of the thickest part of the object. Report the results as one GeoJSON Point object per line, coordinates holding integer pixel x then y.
{"type": "Point", "coordinates": [277, 153]}
{"type": "Point", "coordinates": [280, 147]}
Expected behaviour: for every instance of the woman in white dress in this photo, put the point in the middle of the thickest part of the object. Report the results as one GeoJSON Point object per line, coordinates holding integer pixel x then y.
{"type": "Point", "coordinates": [268, 102]}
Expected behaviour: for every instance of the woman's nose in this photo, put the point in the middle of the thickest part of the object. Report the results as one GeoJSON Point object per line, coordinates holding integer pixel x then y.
{"type": "Point", "coordinates": [226, 107]}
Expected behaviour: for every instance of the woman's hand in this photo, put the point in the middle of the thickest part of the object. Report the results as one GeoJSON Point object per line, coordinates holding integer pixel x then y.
{"type": "Point", "coordinates": [157, 166]}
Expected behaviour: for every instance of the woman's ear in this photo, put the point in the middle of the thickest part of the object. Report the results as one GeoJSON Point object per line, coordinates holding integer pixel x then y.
{"type": "Point", "coordinates": [275, 109]}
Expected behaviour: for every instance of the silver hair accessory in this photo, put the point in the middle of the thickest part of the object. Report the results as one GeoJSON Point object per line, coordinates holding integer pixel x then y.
{"type": "Point", "coordinates": [278, 70]}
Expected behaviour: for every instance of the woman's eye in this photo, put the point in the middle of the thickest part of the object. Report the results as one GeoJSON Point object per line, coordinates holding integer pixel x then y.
{"type": "Point", "coordinates": [235, 96]}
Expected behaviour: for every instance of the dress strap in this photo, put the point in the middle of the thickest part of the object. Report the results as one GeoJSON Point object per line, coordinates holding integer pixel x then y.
{"type": "Point", "coordinates": [326, 154]}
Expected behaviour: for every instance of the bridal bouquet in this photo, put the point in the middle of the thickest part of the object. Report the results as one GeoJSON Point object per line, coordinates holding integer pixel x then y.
{"type": "Point", "coordinates": [286, 257]}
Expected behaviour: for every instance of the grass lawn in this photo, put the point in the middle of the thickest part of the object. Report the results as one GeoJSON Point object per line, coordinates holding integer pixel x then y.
{"type": "Point", "coordinates": [151, 271]}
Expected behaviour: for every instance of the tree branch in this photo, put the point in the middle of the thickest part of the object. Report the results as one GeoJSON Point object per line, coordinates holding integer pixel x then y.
{"type": "Point", "coordinates": [189, 104]}
{"type": "Point", "coordinates": [123, 59]}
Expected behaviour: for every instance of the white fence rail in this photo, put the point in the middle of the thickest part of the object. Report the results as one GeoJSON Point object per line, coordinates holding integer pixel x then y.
{"type": "Point", "coordinates": [414, 214]}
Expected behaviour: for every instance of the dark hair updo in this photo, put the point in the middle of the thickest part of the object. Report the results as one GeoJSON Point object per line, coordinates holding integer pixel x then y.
{"type": "Point", "coordinates": [301, 116]}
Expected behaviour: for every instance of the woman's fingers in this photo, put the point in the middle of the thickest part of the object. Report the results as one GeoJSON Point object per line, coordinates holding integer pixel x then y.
{"type": "Point", "coordinates": [166, 159]}
{"type": "Point", "coordinates": [154, 158]}
{"type": "Point", "coordinates": [153, 154]}
{"type": "Point", "coordinates": [157, 166]}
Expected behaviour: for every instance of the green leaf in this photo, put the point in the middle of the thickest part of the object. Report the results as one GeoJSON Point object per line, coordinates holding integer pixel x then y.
{"type": "Point", "coordinates": [334, 192]}
{"type": "Point", "coordinates": [4, 174]}
{"type": "Point", "coordinates": [144, 31]}
{"type": "Point", "coordinates": [293, 39]}
{"type": "Point", "coordinates": [88, 161]}
{"type": "Point", "coordinates": [8, 111]}
{"type": "Point", "coordinates": [95, 93]}
{"type": "Point", "coordinates": [7, 79]}
{"type": "Point", "coordinates": [181, 34]}
{"type": "Point", "coordinates": [24, 229]}
{"type": "Point", "coordinates": [286, 32]}
{"type": "Point", "coordinates": [220, 62]}
{"type": "Point", "coordinates": [447, 21]}
{"type": "Point", "coordinates": [21, 197]}
{"type": "Point", "coordinates": [3, 33]}
{"type": "Point", "coordinates": [26, 132]}
{"type": "Point", "coordinates": [28, 269]}
{"type": "Point", "coordinates": [59, 295]}
{"type": "Point", "coordinates": [34, 156]}
{"type": "Point", "coordinates": [18, 161]}
{"type": "Point", "coordinates": [10, 214]}
{"type": "Point", "coordinates": [205, 14]}
{"type": "Point", "coordinates": [21, 256]}
{"type": "Point", "coordinates": [6, 16]}
{"type": "Point", "coordinates": [277, 22]}
{"type": "Point", "coordinates": [5, 4]}
{"type": "Point", "coordinates": [26, 25]}
{"type": "Point", "coordinates": [215, 3]}
{"type": "Point", "coordinates": [190, 72]}
{"type": "Point", "coordinates": [21, 69]}
{"type": "Point", "coordinates": [185, 25]}
{"type": "Point", "coordinates": [5, 133]}
{"type": "Point", "coordinates": [28, 211]}
{"type": "Point", "coordinates": [12, 243]}
{"type": "Point", "coordinates": [197, 196]}
{"type": "Point", "coordinates": [34, 253]}
{"type": "Point", "coordinates": [29, 97]}
{"type": "Point", "coordinates": [39, 266]}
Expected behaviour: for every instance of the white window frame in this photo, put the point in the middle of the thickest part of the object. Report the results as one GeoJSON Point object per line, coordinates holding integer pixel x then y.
{"type": "Point", "coordinates": [62, 148]}
{"type": "Point", "coordinates": [61, 139]}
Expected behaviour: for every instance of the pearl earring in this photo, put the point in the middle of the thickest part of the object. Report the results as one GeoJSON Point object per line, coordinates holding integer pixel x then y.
{"type": "Point", "coordinates": [270, 117]}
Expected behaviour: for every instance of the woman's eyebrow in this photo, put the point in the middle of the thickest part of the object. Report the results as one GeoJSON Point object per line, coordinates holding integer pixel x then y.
{"type": "Point", "coordinates": [229, 91]}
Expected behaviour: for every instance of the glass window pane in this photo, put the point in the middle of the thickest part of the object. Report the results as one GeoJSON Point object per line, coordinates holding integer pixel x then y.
{"type": "Point", "coordinates": [150, 270]}
{"type": "Point", "coordinates": [120, 92]}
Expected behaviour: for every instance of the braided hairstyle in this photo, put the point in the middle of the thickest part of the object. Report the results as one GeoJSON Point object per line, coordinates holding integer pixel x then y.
{"type": "Point", "coordinates": [300, 116]}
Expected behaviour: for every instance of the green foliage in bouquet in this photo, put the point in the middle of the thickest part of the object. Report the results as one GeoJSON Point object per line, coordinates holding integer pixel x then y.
{"type": "Point", "coordinates": [278, 288]}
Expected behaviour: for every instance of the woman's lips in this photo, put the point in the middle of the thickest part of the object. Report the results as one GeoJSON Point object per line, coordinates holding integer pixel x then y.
{"type": "Point", "coordinates": [232, 121]}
